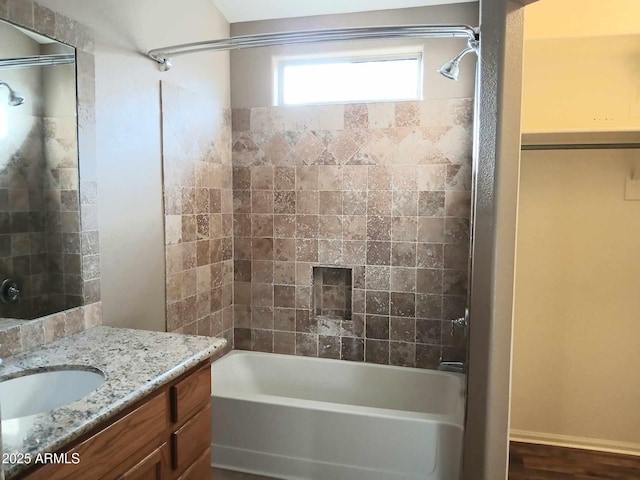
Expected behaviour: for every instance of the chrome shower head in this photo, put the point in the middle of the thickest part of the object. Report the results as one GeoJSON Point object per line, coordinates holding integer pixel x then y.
{"type": "Point", "coordinates": [15, 98]}
{"type": "Point", "coordinates": [451, 68]}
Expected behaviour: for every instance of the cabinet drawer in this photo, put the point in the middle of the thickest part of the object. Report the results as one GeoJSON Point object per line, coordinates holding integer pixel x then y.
{"type": "Point", "coordinates": [117, 446]}
{"type": "Point", "coordinates": [153, 467]}
{"type": "Point", "coordinates": [190, 441]}
{"type": "Point", "coordinates": [201, 469]}
{"type": "Point", "coordinates": [190, 395]}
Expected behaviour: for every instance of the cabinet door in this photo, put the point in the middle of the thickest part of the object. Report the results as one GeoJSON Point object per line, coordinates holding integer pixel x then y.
{"type": "Point", "coordinates": [188, 443]}
{"type": "Point", "coordinates": [201, 469]}
{"type": "Point", "coordinates": [190, 395]}
{"type": "Point", "coordinates": [154, 466]}
{"type": "Point", "coordinates": [113, 450]}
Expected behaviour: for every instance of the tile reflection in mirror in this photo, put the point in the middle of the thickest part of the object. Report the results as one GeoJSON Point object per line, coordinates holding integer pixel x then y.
{"type": "Point", "coordinates": [39, 188]}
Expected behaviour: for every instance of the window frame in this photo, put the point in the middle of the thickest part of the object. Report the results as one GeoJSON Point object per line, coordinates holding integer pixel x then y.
{"type": "Point", "coordinates": [280, 63]}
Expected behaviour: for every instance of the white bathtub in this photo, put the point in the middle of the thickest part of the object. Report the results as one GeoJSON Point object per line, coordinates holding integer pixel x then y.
{"type": "Point", "coordinates": [308, 418]}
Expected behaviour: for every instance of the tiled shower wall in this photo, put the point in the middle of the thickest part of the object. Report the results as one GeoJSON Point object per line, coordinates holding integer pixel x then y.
{"type": "Point", "coordinates": [196, 146]}
{"type": "Point", "coordinates": [381, 188]}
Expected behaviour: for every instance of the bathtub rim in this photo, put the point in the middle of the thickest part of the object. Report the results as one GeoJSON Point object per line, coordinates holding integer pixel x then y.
{"type": "Point", "coordinates": [429, 371]}
{"type": "Point", "coordinates": [455, 418]}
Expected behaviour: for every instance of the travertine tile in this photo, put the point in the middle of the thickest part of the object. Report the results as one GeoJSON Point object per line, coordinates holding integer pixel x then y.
{"type": "Point", "coordinates": [402, 354]}
{"type": "Point", "coordinates": [381, 115]}
{"type": "Point", "coordinates": [379, 177]}
{"type": "Point", "coordinates": [284, 342]}
{"type": "Point", "coordinates": [379, 202]}
{"type": "Point", "coordinates": [200, 223]}
{"type": "Point", "coordinates": [407, 114]}
{"type": "Point", "coordinates": [330, 203]}
{"type": "Point", "coordinates": [306, 344]}
{"type": "Point", "coordinates": [352, 349]}
{"type": "Point", "coordinates": [388, 196]}
{"type": "Point", "coordinates": [377, 351]}
{"type": "Point", "coordinates": [377, 277]}
{"type": "Point", "coordinates": [402, 329]}
{"type": "Point", "coordinates": [356, 116]}
{"type": "Point", "coordinates": [402, 279]}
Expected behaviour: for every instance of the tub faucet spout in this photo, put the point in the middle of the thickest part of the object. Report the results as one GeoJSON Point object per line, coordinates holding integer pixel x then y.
{"type": "Point", "coordinates": [452, 366]}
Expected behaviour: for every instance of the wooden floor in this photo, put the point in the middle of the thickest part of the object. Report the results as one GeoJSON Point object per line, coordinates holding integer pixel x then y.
{"type": "Point", "coordinates": [529, 461]}
{"type": "Point", "coordinates": [542, 462]}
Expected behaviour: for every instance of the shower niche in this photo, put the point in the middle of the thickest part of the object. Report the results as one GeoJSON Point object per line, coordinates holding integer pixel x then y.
{"type": "Point", "coordinates": [40, 253]}
{"type": "Point", "coordinates": [332, 292]}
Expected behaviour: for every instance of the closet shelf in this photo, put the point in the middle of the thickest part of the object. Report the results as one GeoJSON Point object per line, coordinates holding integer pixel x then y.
{"type": "Point", "coordinates": [577, 140]}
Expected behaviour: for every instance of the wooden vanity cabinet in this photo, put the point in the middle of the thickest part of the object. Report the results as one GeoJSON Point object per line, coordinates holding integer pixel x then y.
{"type": "Point", "coordinates": [166, 436]}
{"type": "Point", "coordinates": [152, 467]}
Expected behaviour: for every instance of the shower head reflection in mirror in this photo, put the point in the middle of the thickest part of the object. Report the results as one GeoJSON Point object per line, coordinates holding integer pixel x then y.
{"type": "Point", "coordinates": [15, 98]}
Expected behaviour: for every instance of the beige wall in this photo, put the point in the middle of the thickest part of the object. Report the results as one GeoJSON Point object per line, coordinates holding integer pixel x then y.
{"type": "Point", "coordinates": [582, 84]}
{"type": "Point", "coordinates": [251, 69]}
{"type": "Point", "coordinates": [581, 58]}
{"type": "Point", "coordinates": [575, 283]}
{"type": "Point", "coordinates": [128, 138]}
{"type": "Point", "coordinates": [60, 98]}
{"type": "Point", "coordinates": [581, 18]}
{"type": "Point", "coordinates": [576, 329]}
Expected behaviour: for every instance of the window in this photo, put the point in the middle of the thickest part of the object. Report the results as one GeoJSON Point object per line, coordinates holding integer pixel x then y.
{"type": "Point", "coordinates": [345, 80]}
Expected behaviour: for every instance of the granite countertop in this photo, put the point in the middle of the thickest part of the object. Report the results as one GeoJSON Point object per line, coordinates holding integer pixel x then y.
{"type": "Point", "coordinates": [134, 362]}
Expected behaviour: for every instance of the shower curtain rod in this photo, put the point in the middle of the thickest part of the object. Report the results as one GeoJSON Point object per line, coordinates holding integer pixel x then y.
{"type": "Point", "coordinates": [163, 55]}
{"type": "Point", "coordinates": [38, 60]}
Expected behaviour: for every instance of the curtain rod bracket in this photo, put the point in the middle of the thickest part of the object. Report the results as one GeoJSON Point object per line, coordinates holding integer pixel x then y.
{"type": "Point", "coordinates": [164, 64]}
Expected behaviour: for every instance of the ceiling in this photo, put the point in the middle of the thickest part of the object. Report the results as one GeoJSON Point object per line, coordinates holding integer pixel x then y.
{"type": "Point", "coordinates": [250, 10]}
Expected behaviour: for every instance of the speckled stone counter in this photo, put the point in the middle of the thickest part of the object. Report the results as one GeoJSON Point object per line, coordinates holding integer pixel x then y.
{"type": "Point", "coordinates": [134, 362]}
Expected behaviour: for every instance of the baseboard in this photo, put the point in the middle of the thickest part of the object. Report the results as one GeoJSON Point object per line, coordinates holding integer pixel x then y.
{"type": "Point", "coordinates": [575, 442]}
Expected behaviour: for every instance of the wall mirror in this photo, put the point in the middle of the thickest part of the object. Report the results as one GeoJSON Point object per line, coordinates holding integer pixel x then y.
{"type": "Point", "coordinates": [40, 260]}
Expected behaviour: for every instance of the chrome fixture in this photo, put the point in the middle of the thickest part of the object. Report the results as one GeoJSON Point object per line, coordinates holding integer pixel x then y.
{"type": "Point", "coordinates": [451, 69]}
{"type": "Point", "coordinates": [15, 98]}
{"type": "Point", "coordinates": [9, 291]}
{"type": "Point", "coordinates": [452, 366]}
{"type": "Point", "coordinates": [462, 322]}
{"type": "Point", "coordinates": [161, 55]}
{"type": "Point", "coordinates": [458, 322]}
{"type": "Point", "coordinates": [38, 60]}
{"type": "Point", "coordinates": [456, 365]}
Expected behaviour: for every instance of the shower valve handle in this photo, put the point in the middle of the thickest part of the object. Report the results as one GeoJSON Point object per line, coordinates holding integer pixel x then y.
{"type": "Point", "coordinates": [458, 322]}
{"type": "Point", "coordinates": [9, 291]}
{"type": "Point", "coordinates": [462, 322]}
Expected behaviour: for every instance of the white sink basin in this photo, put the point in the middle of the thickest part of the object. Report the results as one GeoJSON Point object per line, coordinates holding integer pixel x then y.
{"type": "Point", "coordinates": [40, 392]}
